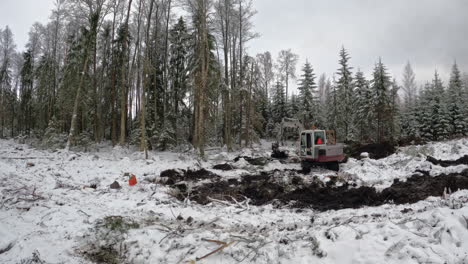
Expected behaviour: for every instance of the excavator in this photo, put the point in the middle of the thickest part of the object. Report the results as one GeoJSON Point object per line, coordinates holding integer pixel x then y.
{"type": "Point", "coordinates": [318, 148]}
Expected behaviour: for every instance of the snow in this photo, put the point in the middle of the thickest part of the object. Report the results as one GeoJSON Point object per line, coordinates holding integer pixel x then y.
{"type": "Point", "coordinates": [403, 164]}
{"type": "Point", "coordinates": [50, 210]}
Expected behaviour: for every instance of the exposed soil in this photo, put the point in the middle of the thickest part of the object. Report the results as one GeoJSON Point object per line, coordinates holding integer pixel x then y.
{"type": "Point", "coordinates": [264, 188]}
{"type": "Point", "coordinates": [260, 161]}
{"type": "Point", "coordinates": [223, 167]}
{"type": "Point", "coordinates": [175, 176]}
{"type": "Point", "coordinates": [447, 163]}
{"type": "Point", "coordinates": [376, 151]}
{"type": "Point", "coordinates": [277, 153]}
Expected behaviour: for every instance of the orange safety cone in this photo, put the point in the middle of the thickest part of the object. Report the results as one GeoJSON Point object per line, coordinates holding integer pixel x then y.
{"type": "Point", "coordinates": [133, 180]}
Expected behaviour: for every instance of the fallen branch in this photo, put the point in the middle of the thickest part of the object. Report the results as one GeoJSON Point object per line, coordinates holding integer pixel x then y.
{"type": "Point", "coordinates": [7, 248]}
{"type": "Point", "coordinates": [224, 245]}
{"type": "Point", "coordinates": [219, 201]}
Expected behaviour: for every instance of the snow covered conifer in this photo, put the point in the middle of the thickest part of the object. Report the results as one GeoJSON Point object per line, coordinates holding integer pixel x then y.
{"type": "Point", "coordinates": [363, 107]}
{"type": "Point", "coordinates": [456, 105]}
{"type": "Point", "coordinates": [307, 89]}
{"type": "Point", "coordinates": [394, 111]}
{"type": "Point", "coordinates": [439, 114]}
{"type": "Point", "coordinates": [331, 105]}
{"type": "Point", "coordinates": [434, 118]}
{"type": "Point", "coordinates": [409, 86]}
{"type": "Point", "coordinates": [380, 92]}
{"type": "Point", "coordinates": [279, 109]}
{"type": "Point", "coordinates": [344, 86]}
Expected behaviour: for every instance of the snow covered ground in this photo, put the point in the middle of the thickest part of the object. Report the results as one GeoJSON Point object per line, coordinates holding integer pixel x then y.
{"type": "Point", "coordinates": [57, 207]}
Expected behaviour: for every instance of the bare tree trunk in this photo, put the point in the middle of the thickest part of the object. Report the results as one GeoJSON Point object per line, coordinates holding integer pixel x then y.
{"type": "Point", "coordinates": [143, 146]}
{"type": "Point", "coordinates": [203, 51]}
{"type": "Point", "coordinates": [248, 140]}
{"type": "Point", "coordinates": [241, 70]}
{"type": "Point", "coordinates": [165, 68]}
{"type": "Point", "coordinates": [123, 101]}
{"type": "Point", "coordinates": [226, 93]}
{"type": "Point", "coordinates": [73, 128]}
{"type": "Point", "coordinates": [113, 92]}
{"type": "Point", "coordinates": [95, 99]}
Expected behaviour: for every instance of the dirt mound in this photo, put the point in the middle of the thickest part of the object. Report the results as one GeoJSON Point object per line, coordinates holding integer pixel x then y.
{"type": "Point", "coordinates": [265, 188]}
{"type": "Point", "coordinates": [447, 163]}
{"type": "Point", "coordinates": [419, 187]}
{"type": "Point", "coordinates": [223, 167]}
{"type": "Point", "coordinates": [175, 176]}
{"type": "Point", "coordinates": [277, 153]}
{"type": "Point", "coordinates": [328, 198]}
{"type": "Point", "coordinates": [260, 161]}
{"type": "Point", "coordinates": [376, 150]}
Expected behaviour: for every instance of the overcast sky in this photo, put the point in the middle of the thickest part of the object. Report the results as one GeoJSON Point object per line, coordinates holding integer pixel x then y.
{"type": "Point", "coordinates": [431, 34]}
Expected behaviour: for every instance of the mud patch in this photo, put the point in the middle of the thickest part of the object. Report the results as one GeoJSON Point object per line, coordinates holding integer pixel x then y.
{"type": "Point", "coordinates": [174, 176]}
{"type": "Point", "coordinates": [260, 161]}
{"type": "Point", "coordinates": [419, 187]}
{"type": "Point", "coordinates": [376, 151]}
{"type": "Point", "coordinates": [268, 187]}
{"type": "Point", "coordinates": [447, 163]}
{"type": "Point", "coordinates": [223, 167]}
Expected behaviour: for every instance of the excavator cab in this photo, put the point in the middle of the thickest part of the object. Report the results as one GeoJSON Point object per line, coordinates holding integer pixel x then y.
{"type": "Point", "coordinates": [310, 139]}
{"type": "Point", "coordinates": [316, 149]}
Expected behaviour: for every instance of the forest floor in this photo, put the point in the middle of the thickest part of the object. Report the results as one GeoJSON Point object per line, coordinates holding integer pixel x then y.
{"type": "Point", "coordinates": [241, 207]}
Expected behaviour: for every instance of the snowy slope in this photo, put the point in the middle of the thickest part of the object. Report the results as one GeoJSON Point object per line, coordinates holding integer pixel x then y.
{"type": "Point", "coordinates": [49, 211]}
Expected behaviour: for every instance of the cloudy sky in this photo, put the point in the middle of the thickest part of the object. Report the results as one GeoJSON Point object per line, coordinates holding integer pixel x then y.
{"type": "Point", "coordinates": [430, 34]}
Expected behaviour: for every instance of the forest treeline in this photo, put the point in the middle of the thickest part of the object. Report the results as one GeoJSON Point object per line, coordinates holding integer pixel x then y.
{"type": "Point", "coordinates": [164, 73]}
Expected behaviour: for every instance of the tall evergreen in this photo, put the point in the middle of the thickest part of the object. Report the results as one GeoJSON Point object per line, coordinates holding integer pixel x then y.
{"type": "Point", "coordinates": [279, 108]}
{"type": "Point", "coordinates": [307, 101]}
{"type": "Point", "coordinates": [331, 106]}
{"type": "Point", "coordinates": [344, 86]}
{"type": "Point", "coordinates": [394, 112]}
{"type": "Point", "coordinates": [457, 106]}
{"type": "Point", "coordinates": [27, 79]}
{"type": "Point", "coordinates": [363, 113]}
{"type": "Point", "coordinates": [434, 117]}
{"type": "Point", "coordinates": [380, 86]}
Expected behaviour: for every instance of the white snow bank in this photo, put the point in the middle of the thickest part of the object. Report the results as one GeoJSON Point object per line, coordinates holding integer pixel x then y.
{"type": "Point", "coordinates": [50, 208]}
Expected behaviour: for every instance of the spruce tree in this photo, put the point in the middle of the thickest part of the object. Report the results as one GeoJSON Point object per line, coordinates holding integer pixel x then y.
{"type": "Point", "coordinates": [307, 102]}
{"type": "Point", "coordinates": [438, 110]}
{"type": "Point", "coordinates": [380, 92]}
{"type": "Point", "coordinates": [178, 72]}
{"type": "Point", "coordinates": [331, 106]}
{"type": "Point", "coordinates": [279, 109]}
{"type": "Point", "coordinates": [423, 112]}
{"type": "Point", "coordinates": [363, 107]}
{"type": "Point", "coordinates": [456, 104]}
{"type": "Point", "coordinates": [344, 86]}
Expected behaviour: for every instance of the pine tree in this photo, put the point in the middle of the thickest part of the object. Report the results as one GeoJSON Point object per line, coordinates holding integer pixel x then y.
{"type": "Point", "coordinates": [307, 102]}
{"type": "Point", "coordinates": [456, 104]}
{"type": "Point", "coordinates": [344, 86]}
